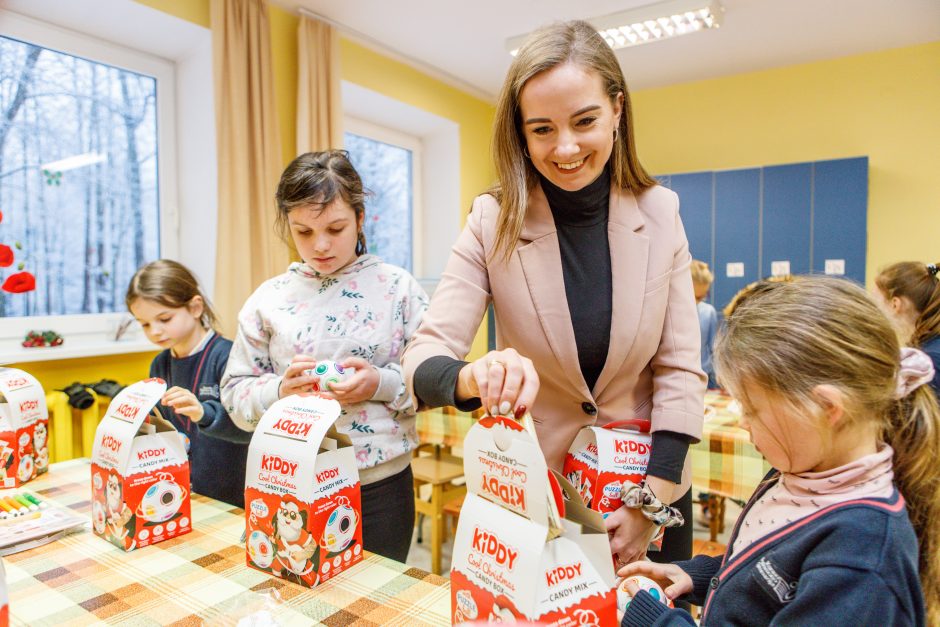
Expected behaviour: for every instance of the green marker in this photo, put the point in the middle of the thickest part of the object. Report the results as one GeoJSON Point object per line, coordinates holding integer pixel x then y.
{"type": "Point", "coordinates": [19, 498]}
{"type": "Point", "coordinates": [32, 499]}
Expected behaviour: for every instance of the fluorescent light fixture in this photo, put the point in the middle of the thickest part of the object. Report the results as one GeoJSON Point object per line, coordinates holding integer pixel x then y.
{"type": "Point", "coordinates": [652, 22]}
{"type": "Point", "coordinates": [75, 161]}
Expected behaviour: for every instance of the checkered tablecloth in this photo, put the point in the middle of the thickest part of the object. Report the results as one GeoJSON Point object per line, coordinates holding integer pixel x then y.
{"type": "Point", "coordinates": [725, 462]}
{"type": "Point", "coordinates": [198, 578]}
{"type": "Point", "coordinates": [444, 426]}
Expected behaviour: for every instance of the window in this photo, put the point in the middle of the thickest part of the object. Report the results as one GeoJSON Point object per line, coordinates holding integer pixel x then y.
{"type": "Point", "coordinates": [389, 164]}
{"type": "Point", "coordinates": [78, 180]}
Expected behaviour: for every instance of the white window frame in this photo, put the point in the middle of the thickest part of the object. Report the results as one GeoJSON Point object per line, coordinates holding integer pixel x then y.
{"type": "Point", "coordinates": [437, 220]}
{"type": "Point", "coordinates": [129, 35]}
{"type": "Point", "coordinates": [386, 135]}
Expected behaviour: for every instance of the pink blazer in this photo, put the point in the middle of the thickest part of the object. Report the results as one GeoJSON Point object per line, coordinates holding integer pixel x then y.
{"type": "Point", "coordinates": [653, 367]}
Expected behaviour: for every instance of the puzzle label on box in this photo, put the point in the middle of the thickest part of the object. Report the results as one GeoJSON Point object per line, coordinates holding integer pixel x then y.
{"type": "Point", "coordinates": [24, 428]}
{"type": "Point", "coordinates": [302, 499]}
{"type": "Point", "coordinates": [139, 472]}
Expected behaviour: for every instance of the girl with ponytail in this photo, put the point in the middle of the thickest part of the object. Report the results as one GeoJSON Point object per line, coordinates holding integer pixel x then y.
{"type": "Point", "coordinates": [909, 292]}
{"type": "Point", "coordinates": [343, 305]}
{"type": "Point", "coordinates": [846, 529]}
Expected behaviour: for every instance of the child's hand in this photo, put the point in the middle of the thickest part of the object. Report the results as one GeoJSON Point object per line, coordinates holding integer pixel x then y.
{"type": "Point", "coordinates": [674, 581]}
{"type": "Point", "coordinates": [184, 402]}
{"type": "Point", "coordinates": [295, 379]}
{"type": "Point", "coordinates": [361, 386]}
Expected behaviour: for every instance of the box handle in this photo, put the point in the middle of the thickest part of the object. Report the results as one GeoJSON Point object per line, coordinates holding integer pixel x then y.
{"type": "Point", "coordinates": [641, 424]}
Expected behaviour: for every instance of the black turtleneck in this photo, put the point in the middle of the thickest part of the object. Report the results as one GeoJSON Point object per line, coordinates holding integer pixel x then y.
{"type": "Point", "coordinates": [581, 223]}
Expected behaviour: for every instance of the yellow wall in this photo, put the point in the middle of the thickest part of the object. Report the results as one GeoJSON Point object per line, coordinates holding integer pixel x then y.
{"type": "Point", "coordinates": [358, 65]}
{"type": "Point", "coordinates": [885, 105]}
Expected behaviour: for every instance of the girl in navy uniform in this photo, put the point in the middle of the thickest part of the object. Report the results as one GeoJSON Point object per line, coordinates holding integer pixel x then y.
{"type": "Point", "coordinates": [846, 528]}
{"type": "Point", "coordinates": [165, 298]}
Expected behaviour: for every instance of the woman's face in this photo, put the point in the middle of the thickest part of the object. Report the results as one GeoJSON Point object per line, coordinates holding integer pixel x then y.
{"type": "Point", "coordinates": [326, 237]}
{"type": "Point", "coordinates": [568, 122]}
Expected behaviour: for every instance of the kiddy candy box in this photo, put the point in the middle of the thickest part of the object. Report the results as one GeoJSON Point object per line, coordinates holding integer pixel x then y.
{"type": "Point", "coordinates": [302, 500]}
{"type": "Point", "coordinates": [601, 458]}
{"type": "Point", "coordinates": [24, 426]}
{"type": "Point", "coordinates": [521, 553]}
{"type": "Point", "coordinates": [139, 472]}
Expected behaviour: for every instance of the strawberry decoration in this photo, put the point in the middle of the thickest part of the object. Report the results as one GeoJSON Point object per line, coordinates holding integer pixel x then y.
{"type": "Point", "coordinates": [37, 339]}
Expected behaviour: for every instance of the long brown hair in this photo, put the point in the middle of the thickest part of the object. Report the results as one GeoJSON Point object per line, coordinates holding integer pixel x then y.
{"type": "Point", "coordinates": [786, 338]}
{"type": "Point", "coordinates": [567, 42]}
{"type": "Point", "coordinates": [316, 178]}
{"type": "Point", "coordinates": [171, 284]}
{"type": "Point", "coordinates": [919, 284]}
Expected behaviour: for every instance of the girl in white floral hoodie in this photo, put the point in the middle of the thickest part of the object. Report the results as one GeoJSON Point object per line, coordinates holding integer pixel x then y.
{"type": "Point", "coordinates": [342, 305]}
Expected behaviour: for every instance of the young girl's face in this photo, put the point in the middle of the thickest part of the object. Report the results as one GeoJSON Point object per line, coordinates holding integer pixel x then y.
{"type": "Point", "coordinates": [791, 442]}
{"type": "Point", "coordinates": [900, 311]}
{"type": "Point", "coordinates": [176, 328]}
{"type": "Point", "coordinates": [326, 237]}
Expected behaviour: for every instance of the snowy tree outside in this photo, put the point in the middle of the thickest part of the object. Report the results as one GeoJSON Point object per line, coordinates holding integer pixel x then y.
{"type": "Point", "coordinates": [386, 172]}
{"type": "Point", "coordinates": [78, 179]}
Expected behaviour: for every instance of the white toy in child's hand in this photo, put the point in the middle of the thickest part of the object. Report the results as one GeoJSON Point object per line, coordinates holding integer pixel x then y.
{"type": "Point", "coordinates": [643, 583]}
{"type": "Point", "coordinates": [328, 373]}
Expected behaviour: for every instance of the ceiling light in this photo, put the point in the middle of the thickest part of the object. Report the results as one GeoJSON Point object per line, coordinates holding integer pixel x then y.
{"type": "Point", "coordinates": [652, 22]}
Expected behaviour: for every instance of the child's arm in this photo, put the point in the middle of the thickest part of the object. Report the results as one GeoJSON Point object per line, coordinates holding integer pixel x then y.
{"type": "Point", "coordinates": [412, 303]}
{"type": "Point", "coordinates": [250, 384]}
{"type": "Point", "coordinates": [215, 421]}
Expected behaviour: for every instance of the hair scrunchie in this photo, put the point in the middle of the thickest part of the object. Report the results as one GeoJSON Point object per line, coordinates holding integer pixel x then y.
{"type": "Point", "coordinates": [916, 369]}
{"type": "Point", "coordinates": [932, 269]}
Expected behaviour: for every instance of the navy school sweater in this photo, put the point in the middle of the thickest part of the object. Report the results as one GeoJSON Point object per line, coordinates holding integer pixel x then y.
{"type": "Point", "coordinates": [852, 563]}
{"type": "Point", "coordinates": [218, 450]}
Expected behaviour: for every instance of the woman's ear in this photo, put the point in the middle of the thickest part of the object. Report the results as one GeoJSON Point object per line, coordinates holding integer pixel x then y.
{"type": "Point", "coordinates": [831, 401]}
{"type": "Point", "coordinates": [618, 109]}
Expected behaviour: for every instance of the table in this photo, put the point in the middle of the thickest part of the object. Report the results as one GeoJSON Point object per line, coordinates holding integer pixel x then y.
{"type": "Point", "coordinates": [198, 578]}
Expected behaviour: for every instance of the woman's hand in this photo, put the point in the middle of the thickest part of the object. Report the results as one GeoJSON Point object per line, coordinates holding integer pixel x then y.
{"type": "Point", "coordinates": [359, 387]}
{"type": "Point", "coordinates": [630, 533]}
{"type": "Point", "coordinates": [629, 530]}
{"type": "Point", "coordinates": [184, 402]}
{"type": "Point", "coordinates": [503, 380]}
{"type": "Point", "coordinates": [674, 581]}
{"type": "Point", "coordinates": [295, 379]}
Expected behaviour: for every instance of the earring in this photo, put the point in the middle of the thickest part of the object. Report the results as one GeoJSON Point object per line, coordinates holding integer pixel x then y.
{"type": "Point", "coordinates": [525, 151]}
{"type": "Point", "coordinates": [615, 133]}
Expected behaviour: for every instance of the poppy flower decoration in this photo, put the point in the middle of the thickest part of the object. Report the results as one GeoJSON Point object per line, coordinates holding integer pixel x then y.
{"type": "Point", "coordinates": [19, 282]}
{"type": "Point", "coordinates": [6, 256]}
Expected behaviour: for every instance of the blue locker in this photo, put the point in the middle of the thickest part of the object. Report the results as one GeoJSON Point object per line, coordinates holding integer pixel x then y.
{"type": "Point", "coordinates": [695, 208]}
{"type": "Point", "coordinates": [840, 215]}
{"type": "Point", "coordinates": [787, 218]}
{"type": "Point", "coordinates": [737, 230]}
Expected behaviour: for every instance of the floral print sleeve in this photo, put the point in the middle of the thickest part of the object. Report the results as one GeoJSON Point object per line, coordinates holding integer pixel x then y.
{"type": "Point", "coordinates": [250, 384]}
{"type": "Point", "coordinates": [411, 302]}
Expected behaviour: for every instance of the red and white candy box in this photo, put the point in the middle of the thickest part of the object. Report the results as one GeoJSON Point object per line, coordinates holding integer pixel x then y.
{"type": "Point", "coordinates": [139, 472]}
{"type": "Point", "coordinates": [24, 428]}
{"type": "Point", "coordinates": [521, 553]}
{"type": "Point", "coordinates": [601, 458]}
{"type": "Point", "coordinates": [302, 500]}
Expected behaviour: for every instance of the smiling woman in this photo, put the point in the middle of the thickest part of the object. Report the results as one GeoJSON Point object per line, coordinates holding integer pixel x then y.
{"type": "Point", "coordinates": [582, 255]}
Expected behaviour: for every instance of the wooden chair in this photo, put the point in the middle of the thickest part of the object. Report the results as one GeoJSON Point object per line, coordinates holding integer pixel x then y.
{"type": "Point", "coordinates": [440, 475]}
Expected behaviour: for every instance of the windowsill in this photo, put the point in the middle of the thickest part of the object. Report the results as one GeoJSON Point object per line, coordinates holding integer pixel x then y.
{"type": "Point", "coordinates": [75, 347]}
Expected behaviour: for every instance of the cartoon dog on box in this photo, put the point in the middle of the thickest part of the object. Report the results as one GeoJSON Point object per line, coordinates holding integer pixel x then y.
{"type": "Point", "coordinates": [295, 548]}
